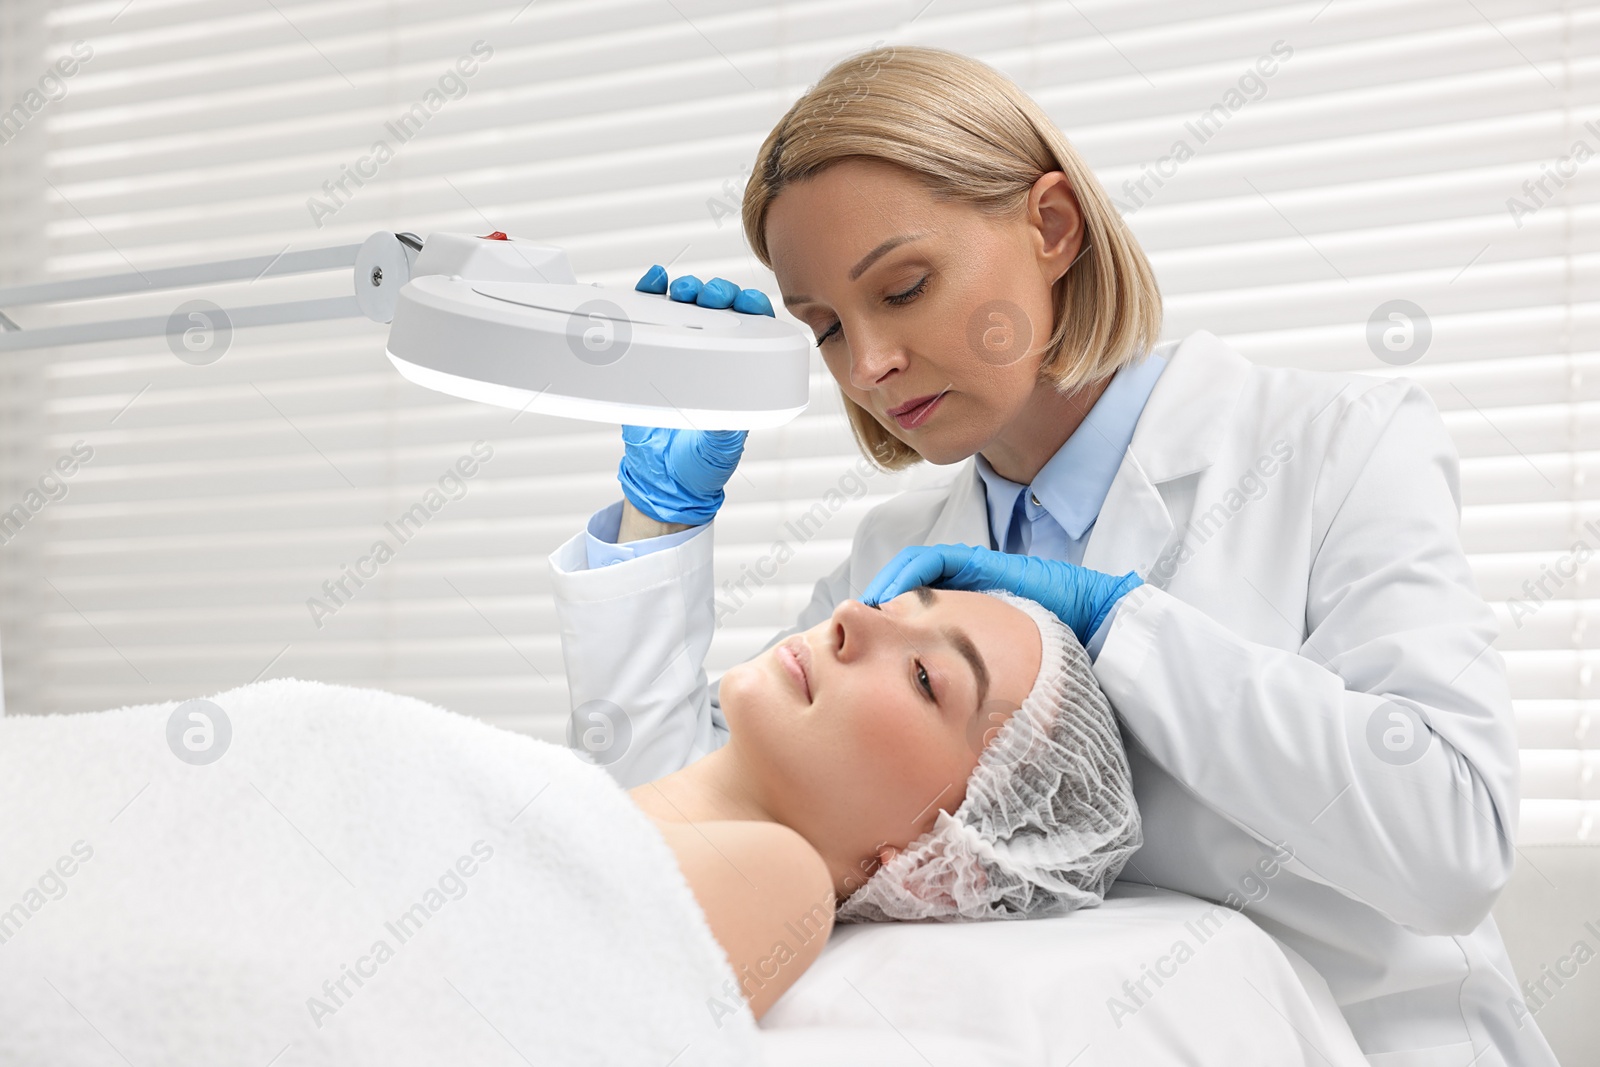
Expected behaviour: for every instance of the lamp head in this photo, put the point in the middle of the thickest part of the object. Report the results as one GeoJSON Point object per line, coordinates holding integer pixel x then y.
{"type": "Point", "coordinates": [506, 322]}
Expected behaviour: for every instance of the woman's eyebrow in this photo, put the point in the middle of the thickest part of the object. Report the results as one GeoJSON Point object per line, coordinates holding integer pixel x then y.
{"type": "Point", "coordinates": [969, 652]}
{"type": "Point", "coordinates": [866, 261]}
{"type": "Point", "coordinates": [962, 644]}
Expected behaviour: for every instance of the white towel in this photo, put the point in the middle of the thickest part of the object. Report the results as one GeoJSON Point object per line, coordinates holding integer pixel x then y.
{"type": "Point", "coordinates": [359, 878]}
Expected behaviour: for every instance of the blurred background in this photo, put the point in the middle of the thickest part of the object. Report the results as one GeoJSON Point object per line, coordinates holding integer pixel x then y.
{"type": "Point", "coordinates": [1383, 186]}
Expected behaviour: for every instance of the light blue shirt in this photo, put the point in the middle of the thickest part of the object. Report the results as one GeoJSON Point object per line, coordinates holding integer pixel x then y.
{"type": "Point", "coordinates": [1051, 517]}
{"type": "Point", "coordinates": [600, 539]}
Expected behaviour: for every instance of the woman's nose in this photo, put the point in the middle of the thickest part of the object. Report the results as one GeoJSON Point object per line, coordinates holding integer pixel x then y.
{"type": "Point", "coordinates": [872, 360]}
{"type": "Point", "coordinates": [855, 629]}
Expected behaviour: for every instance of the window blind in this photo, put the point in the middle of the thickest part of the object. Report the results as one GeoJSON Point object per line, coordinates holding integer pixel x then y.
{"type": "Point", "coordinates": [1396, 187]}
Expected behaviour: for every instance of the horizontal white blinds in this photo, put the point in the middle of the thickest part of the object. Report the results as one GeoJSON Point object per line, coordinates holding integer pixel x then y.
{"type": "Point", "coordinates": [1373, 163]}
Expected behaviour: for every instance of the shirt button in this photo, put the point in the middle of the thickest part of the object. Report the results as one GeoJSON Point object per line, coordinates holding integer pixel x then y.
{"type": "Point", "coordinates": [1035, 500]}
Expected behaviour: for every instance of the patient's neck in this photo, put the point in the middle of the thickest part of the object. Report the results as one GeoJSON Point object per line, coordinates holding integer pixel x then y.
{"type": "Point", "coordinates": [720, 785]}
{"type": "Point", "coordinates": [716, 786]}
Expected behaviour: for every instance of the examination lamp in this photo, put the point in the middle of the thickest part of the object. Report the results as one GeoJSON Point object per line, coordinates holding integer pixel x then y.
{"type": "Point", "coordinates": [502, 321]}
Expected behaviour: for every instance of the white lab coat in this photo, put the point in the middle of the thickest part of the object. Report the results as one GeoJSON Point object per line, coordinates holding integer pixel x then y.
{"type": "Point", "coordinates": [1298, 533]}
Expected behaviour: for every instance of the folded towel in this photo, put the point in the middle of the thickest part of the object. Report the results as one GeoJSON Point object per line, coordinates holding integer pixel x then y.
{"type": "Point", "coordinates": [329, 875]}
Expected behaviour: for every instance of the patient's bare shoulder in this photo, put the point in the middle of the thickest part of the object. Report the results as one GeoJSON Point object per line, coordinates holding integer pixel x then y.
{"type": "Point", "coordinates": [767, 896]}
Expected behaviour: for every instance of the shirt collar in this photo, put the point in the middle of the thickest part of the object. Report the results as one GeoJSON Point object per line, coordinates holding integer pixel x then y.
{"type": "Point", "coordinates": [1073, 483]}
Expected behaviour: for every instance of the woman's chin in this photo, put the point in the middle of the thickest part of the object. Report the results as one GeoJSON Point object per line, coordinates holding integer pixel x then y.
{"type": "Point", "coordinates": [943, 445]}
{"type": "Point", "coordinates": [745, 688]}
{"type": "Point", "coordinates": [763, 722]}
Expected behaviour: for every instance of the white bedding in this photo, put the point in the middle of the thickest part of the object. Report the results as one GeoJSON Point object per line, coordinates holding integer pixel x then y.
{"type": "Point", "coordinates": [202, 908]}
{"type": "Point", "coordinates": [232, 912]}
{"type": "Point", "coordinates": [1049, 992]}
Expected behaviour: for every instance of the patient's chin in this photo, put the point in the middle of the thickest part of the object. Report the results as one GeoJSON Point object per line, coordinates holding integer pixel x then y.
{"type": "Point", "coordinates": [763, 721]}
{"type": "Point", "coordinates": [744, 688]}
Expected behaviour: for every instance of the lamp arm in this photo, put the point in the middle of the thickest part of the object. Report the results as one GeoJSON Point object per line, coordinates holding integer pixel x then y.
{"type": "Point", "coordinates": [380, 266]}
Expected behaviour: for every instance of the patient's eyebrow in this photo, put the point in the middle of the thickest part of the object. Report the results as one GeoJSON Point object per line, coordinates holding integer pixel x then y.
{"type": "Point", "coordinates": [963, 644]}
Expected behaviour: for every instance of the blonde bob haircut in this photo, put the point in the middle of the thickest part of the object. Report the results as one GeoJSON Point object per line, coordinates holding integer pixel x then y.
{"type": "Point", "coordinates": [971, 136]}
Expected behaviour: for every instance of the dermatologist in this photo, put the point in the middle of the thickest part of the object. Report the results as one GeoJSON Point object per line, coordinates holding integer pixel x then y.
{"type": "Point", "coordinates": [1264, 563]}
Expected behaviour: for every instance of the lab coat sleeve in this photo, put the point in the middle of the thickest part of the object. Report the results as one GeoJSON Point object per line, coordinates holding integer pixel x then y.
{"type": "Point", "coordinates": [1309, 748]}
{"type": "Point", "coordinates": [634, 637]}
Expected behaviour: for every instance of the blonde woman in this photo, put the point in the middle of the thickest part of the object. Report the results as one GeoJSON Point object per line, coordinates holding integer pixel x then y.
{"type": "Point", "coordinates": [1264, 563]}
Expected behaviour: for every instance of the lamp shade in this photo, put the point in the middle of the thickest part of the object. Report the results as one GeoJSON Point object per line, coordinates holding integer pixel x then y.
{"type": "Point", "coordinates": [504, 323]}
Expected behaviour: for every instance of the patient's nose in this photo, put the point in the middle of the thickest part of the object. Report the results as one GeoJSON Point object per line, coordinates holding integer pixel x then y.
{"type": "Point", "coordinates": [858, 629]}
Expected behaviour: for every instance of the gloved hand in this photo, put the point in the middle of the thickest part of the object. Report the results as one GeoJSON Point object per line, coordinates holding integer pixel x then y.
{"type": "Point", "coordinates": [717, 293]}
{"type": "Point", "coordinates": [1080, 597]}
{"type": "Point", "coordinates": [678, 475]}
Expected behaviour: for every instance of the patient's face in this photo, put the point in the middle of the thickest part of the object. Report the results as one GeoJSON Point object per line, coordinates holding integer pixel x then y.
{"type": "Point", "coordinates": [862, 728]}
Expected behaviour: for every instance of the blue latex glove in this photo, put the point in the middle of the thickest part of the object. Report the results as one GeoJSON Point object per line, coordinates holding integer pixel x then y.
{"type": "Point", "coordinates": [1080, 597]}
{"type": "Point", "coordinates": [678, 475]}
{"type": "Point", "coordinates": [717, 293]}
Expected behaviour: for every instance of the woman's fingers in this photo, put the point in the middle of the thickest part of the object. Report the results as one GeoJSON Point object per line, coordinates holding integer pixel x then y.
{"type": "Point", "coordinates": [685, 289]}
{"type": "Point", "coordinates": [889, 581]}
{"type": "Point", "coordinates": [654, 280]}
{"type": "Point", "coordinates": [916, 566]}
{"type": "Point", "coordinates": [717, 293]}
{"type": "Point", "coordinates": [977, 569]}
{"type": "Point", "coordinates": [1079, 597]}
{"type": "Point", "coordinates": [753, 302]}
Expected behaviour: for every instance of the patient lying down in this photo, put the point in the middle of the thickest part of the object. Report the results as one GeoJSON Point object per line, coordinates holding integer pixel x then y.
{"type": "Point", "coordinates": [947, 755]}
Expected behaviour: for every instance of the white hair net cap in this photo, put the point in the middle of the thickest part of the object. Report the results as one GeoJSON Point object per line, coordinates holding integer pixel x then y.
{"type": "Point", "coordinates": [1049, 817]}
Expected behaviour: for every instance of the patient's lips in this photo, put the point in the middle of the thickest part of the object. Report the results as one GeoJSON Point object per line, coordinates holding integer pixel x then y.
{"type": "Point", "coordinates": [795, 656]}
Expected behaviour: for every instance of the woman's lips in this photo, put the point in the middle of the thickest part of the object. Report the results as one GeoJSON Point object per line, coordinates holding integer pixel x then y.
{"type": "Point", "coordinates": [794, 655]}
{"type": "Point", "coordinates": [916, 413]}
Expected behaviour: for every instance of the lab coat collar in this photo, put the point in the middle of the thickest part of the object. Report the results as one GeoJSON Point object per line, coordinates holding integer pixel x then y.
{"type": "Point", "coordinates": [964, 519]}
{"type": "Point", "coordinates": [1072, 484]}
{"type": "Point", "coordinates": [1183, 422]}
{"type": "Point", "coordinates": [1178, 433]}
